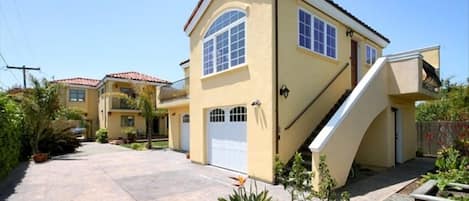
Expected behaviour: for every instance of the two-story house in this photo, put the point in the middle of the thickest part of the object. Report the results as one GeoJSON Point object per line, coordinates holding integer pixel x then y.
{"type": "Point", "coordinates": [102, 103]}
{"type": "Point", "coordinates": [273, 77]}
{"type": "Point", "coordinates": [80, 93]}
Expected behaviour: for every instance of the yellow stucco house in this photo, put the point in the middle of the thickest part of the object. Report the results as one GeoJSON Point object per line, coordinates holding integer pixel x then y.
{"type": "Point", "coordinates": [102, 109]}
{"type": "Point", "coordinates": [275, 77]}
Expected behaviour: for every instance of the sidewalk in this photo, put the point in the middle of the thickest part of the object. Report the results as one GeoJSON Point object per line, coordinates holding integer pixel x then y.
{"type": "Point", "coordinates": [387, 183]}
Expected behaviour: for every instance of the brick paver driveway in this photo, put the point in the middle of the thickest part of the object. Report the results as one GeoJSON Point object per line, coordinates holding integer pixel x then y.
{"type": "Point", "coordinates": [107, 172]}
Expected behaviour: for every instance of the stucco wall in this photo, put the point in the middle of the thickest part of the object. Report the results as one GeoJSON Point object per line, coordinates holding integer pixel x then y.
{"type": "Point", "coordinates": [174, 136]}
{"type": "Point", "coordinates": [89, 107]}
{"type": "Point", "coordinates": [238, 86]}
{"type": "Point", "coordinates": [306, 73]}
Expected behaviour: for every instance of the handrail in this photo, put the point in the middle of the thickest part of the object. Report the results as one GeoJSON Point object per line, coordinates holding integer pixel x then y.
{"type": "Point", "coordinates": [317, 97]}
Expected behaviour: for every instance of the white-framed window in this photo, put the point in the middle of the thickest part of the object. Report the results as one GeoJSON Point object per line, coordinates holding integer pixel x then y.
{"type": "Point", "coordinates": [224, 44]}
{"type": "Point", "coordinates": [76, 95]}
{"type": "Point", "coordinates": [371, 55]}
{"type": "Point", "coordinates": [316, 34]}
{"type": "Point", "coordinates": [238, 114]}
{"type": "Point", "coordinates": [127, 121]}
{"type": "Point", "coordinates": [217, 115]}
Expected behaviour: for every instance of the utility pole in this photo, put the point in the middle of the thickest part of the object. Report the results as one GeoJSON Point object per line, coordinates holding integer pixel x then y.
{"type": "Point", "coordinates": [24, 69]}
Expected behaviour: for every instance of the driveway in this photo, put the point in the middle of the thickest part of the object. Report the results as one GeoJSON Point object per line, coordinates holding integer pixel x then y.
{"type": "Point", "coordinates": [107, 172]}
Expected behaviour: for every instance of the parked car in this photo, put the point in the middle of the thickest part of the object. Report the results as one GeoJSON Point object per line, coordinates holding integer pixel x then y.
{"type": "Point", "coordinates": [78, 132]}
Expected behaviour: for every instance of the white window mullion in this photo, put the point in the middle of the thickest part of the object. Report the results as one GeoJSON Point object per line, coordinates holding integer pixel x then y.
{"type": "Point", "coordinates": [324, 39]}
{"type": "Point", "coordinates": [215, 58]}
{"type": "Point", "coordinates": [229, 48]}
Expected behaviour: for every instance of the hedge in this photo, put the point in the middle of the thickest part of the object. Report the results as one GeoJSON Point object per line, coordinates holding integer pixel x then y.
{"type": "Point", "coordinates": [10, 135]}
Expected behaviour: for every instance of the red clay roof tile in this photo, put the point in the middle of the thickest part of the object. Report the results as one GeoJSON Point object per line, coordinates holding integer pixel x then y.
{"type": "Point", "coordinates": [79, 81]}
{"type": "Point", "coordinates": [136, 76]}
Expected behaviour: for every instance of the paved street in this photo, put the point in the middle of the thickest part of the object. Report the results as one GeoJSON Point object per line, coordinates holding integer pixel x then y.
{"type": "Point", "coordinates": [108, 172]}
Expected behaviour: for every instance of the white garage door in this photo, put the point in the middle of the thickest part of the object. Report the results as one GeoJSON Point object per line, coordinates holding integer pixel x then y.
{"type": "Point", "coordinates": [185, 137]}
{"type": "Point", "coordinates": [227, 147]}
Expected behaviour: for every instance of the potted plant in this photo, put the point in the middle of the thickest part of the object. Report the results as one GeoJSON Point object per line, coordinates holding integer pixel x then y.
{"type": "Point", "coordinates": [41, 106]}
{"type": "Point", "coordinates": [131, 133]}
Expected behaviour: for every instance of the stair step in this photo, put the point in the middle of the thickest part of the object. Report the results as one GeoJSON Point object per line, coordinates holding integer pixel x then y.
{"type": "Point", "coordinates": [304, 148]}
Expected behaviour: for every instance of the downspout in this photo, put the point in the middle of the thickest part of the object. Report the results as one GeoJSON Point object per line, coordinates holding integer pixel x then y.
{"type": "Point", "coordinates": [277, 128]}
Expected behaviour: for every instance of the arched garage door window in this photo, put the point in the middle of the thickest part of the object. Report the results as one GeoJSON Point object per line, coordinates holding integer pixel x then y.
{"type": "Point", "coordinates": [238, 114]}
{"type": "Point", "coordinates": [217, 115]}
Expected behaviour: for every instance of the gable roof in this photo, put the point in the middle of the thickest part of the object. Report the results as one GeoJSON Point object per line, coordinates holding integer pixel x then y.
{"type": "Point", "coordinates": [348, 19]}
{"type": "Point", "coordinates": [78, 81]}
{"type": "Point", "coordinates": [137, 77]}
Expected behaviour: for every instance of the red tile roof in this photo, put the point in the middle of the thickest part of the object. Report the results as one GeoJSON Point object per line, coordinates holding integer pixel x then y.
{"type": "Point", "coordinates": [136, 76]}
{"type": "Point", "coordinates": [79, 81]}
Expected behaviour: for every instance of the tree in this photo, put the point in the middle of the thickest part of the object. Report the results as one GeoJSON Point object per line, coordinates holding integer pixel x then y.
{"type": "Point", "coordinates": [453, 104]}
{"type": "Point", "coordinates": [40, 106]}
{"type": "Point", "coordinates": [146, 103]}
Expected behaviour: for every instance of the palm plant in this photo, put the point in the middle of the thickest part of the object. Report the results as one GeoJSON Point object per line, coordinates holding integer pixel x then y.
{"type": "Point", "coordinates": [40, 105]}
{"type": "Point", "coordinates": [145, 102]}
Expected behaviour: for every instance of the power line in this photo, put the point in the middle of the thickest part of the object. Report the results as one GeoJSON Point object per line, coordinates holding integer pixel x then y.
{"type": "Point", "coordinates": [24, 69]}
{"type": "Point", "coordinates": [3, 59]}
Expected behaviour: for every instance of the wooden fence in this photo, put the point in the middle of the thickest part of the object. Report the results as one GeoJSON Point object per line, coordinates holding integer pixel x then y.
{"type": "Point", "coordinates": [432, 136]}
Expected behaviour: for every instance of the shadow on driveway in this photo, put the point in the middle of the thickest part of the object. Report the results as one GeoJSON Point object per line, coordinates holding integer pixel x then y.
{"type": "Point", "coordinates": [15, 177]}
{"type": "Point", "coordinates": [391, 180]}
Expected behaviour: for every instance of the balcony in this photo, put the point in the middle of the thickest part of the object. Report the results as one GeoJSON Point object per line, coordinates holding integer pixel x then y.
{"type": "Point", "coordinates": [175, 91]}
{"type": "Point", "coordinates": [121, 104]}
{"type": "Point", "coordinates": [413, 77]}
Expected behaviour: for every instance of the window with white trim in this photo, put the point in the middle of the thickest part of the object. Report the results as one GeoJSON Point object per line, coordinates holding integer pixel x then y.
{"type": "Point", "coordinates": [127, 121]}
{"type": "Point", "coordinates": [316, 34]}
{"type": "Point", "coordinates": [238, 114]}
{"type": "Point", "coordinates": [76, 95]}
{"type": "Point", "coordinates": [224, 43]}
{"type": "Point", "coordinates": [217, 115]}
{"type": "Point", "coordinates": [371, 55]}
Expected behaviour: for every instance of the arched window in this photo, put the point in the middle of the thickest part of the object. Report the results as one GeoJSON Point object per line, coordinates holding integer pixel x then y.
{"type": "Point", "coordinates": [217, 115]}
{"type": "Point", "coordinates": [238, 114]}
{"type": "Point", "coordinates": [224, 43]}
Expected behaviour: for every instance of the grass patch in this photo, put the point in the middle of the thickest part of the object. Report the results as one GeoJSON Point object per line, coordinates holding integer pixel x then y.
{"type": "Point", "coordinates": [140, 146]}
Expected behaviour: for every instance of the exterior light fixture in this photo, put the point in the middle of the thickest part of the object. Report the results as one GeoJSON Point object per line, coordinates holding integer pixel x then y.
{"type": "Point", "coordinates": [256, 103]}
{"type": "Point", "coordinates": [349, 33]}
{"type": "Point", "coordinates": [284, 91]}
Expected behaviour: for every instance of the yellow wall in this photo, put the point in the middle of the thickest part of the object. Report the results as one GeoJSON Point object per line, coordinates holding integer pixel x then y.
{"type": "Point", "coordinates": [174, 136]}
{"type": "Point", "coordinates": [89, 106]}
{"type": "Point", "coordinates": [432, 56]}
{"type": "Point", "coordinates": [306, 73]}
{"type": "Point", "coordinates": [111, 118]}
{"type": "Point", "coordinates": [238, 86]}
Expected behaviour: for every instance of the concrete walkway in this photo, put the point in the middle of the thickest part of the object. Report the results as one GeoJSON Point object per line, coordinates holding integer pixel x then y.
{"type": "Point", "coordinates": [108, 172]}
{"type": "Point", "coordinates": [385, 184]}
{"type": "Point", "coordinates": [105, 172]}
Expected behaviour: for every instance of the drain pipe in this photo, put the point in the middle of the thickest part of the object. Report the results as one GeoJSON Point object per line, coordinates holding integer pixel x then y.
{"type": "Point", "coordinates": [277, 127]}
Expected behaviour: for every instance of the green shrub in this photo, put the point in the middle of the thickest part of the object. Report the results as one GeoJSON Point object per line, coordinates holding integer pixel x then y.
{"type": "Point", "coordinates": [101, 135]}
{"type": "Point", "coordinates": [452, 168]}
{"type": "Point", "coordinates": [137, 146]}
{"type": "Point", "coordinates": [131, 133]}
{"type": "Point", "coordinates": [10, 140]}
{"type": "Point", "coordinates": [297, 181]}
{"type": "Point", "coordinates": [59, 140]}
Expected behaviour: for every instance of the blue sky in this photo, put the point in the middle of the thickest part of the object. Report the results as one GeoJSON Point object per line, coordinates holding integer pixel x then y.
{"type": "Point", "coordinates": [90, 38]}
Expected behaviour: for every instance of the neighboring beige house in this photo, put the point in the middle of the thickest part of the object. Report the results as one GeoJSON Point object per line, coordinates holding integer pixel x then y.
{"type": "Point", "coordinates": [81, 94]}
{"type": "Point", "coordinates": [275, 77]}
{"type": "Point", "coordinates": [104, 109]}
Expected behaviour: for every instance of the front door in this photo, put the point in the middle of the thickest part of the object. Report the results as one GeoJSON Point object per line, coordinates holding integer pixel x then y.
{"type": "Point", "coordinates": [354, 63]}
{"type": "Point", "coordinates": [185, 136]}
{"type": "Point", "coordinates": [398, 136]}
{"type": "Point", "coordinates": [156, 126]}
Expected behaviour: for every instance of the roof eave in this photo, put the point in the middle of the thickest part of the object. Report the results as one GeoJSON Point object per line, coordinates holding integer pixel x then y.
{"type": "Point", "coordinates": [325, 6]}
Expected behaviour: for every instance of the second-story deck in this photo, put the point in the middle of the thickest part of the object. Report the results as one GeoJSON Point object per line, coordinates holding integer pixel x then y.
{"type": "Point", "coordinates": [174, 92]}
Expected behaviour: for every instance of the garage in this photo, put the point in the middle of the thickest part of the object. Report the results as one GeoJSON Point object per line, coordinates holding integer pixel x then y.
{"type": "Point", "coordinates": [226, 135]}
{"type": "Point", "coordinates": [185, 137]}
